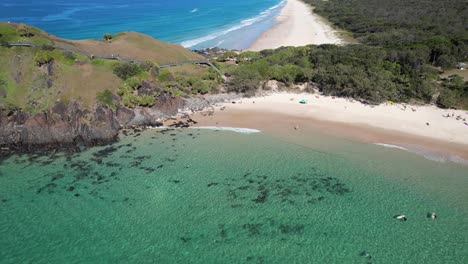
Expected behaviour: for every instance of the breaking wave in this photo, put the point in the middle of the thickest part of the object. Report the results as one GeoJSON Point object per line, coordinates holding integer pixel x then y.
{"type": "Point", "coordinates": [244, 23]}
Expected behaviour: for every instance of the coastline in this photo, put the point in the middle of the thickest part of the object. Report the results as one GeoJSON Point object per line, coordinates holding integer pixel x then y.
{"type": "Point", "coordinates": [297, 26]}
{"type": "Point", "coordinates": [389, 124]}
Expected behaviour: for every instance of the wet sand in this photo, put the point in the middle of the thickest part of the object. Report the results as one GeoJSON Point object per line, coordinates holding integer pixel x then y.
{"type": "Point", "coordinates": [393, 124]}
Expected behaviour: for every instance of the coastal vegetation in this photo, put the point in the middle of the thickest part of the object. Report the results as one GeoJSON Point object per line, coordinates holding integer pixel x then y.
{"type": "Point", "coordinates": [49, 69]}
{"type": "Point", "coordinates": [400, 58]}
{"type": "Point", "coordinates": [418, 36]}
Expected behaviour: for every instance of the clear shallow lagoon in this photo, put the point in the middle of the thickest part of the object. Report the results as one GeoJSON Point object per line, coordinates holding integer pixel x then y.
{"type": "Point", "coordinates": [194, 24]}
{"type": "Point", "coordinates": [201, 196]}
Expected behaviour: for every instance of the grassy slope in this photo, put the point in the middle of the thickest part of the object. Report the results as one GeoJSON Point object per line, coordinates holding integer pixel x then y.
{"type": "Point", "coordinates": [136, 46]}
{"type": "Point", "coordinates": [32, 88]}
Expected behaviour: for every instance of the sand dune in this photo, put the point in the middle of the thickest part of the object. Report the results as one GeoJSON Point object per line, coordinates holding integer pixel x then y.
{"type": "Point", "coordinates": [298, 26]}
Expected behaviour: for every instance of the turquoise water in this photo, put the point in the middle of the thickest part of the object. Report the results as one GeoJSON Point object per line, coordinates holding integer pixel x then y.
{"type": "Point", "coordinates": [194, 24]}
{"type": "Point", "coordinates": [201, 196]}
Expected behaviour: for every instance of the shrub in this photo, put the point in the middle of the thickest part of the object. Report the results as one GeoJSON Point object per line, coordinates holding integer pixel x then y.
{"type": "Point", "coordinates": [47, 47]}
{"type": "Point", "coordinates": [69, 55]}
{"type": "Point", "coordinates": [43, 57]}
{"type": "Point", "coordinates": [154, 71]}
{"type": "Point", "coordinates": [202, 87]}
{"type": "Point", "coordinates": [129, 86]}
{"type": "Point", "coordinates": [24, 31]}
{"type": "Point", "coordinates": [126, 70]}
{"type": "Point", "coordinates": [246, 79]}
{"type": "Point", "coordinates": [146, 100]}
{"type": "Point", "coordinates": [132, 100]}
{"type": "Point", "coordinates": [227, 55]}
{"type": "Point", "coordinates": [166, 76]}
{"type": "Point", "coordinates": [147, 65]}
{"type": "Point", "coordinates": [105, 98]}
{"type": "Point", "coordinates": [446, 99]}
{"type": "Point", "coordinates": [107, 36]}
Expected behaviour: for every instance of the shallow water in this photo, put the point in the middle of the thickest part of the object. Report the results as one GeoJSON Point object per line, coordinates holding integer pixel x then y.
{"type": "Point", "coordinates": [202, 196]}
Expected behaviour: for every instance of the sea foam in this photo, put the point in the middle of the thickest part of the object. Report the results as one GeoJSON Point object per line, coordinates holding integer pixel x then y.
{"type": "Point", "coordinates": [244, 23]}
{"type": "Point", "coordinates": [427, 154]}
{"type": "Point", "coordinates": [242, 130]}
{"type": "Point", "coordinates": [391, 146]}
{"type": "Point", "coordinates": [233, 129]}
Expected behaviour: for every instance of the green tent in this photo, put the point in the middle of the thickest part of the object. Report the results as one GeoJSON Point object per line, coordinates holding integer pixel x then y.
{"type": "Point", "coordinates": [303, 101]}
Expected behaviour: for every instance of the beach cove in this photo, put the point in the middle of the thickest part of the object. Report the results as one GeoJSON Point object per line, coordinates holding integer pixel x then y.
{"type": "Point", "coordinates": [280, 177]}
{"type": "Point", "coordinates": [427, 130]}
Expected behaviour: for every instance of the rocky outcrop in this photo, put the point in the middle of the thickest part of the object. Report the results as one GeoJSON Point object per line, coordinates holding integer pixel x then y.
{"type": "Point", "coordinates": [71, 126]}
{"type": "Point", "coordinates": [61, 126]}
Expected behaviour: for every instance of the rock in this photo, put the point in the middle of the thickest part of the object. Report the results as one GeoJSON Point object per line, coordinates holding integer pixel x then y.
{"type": "Point", "coordinates": [148, 88]}
{"type": "Point", "coordinates": [63, 126]}
{"type": "Point", "coordinates": [124, 116]}
{"type": "Point", "coordinates": [169, 105]}
{"type": "Point", "coordinates": [73, 127]}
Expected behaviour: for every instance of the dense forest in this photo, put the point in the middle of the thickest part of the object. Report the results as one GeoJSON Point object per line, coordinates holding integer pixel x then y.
{"type": "Point", "coordinates": [437, 28]}
{"type": "Point", "coordinates": [403, 47]}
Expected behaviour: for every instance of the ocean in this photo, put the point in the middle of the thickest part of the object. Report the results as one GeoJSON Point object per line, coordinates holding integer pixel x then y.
{"type": "Point", "coordinates": [195, 24]}
{"type": "Point", "coordinates": [231, 196]}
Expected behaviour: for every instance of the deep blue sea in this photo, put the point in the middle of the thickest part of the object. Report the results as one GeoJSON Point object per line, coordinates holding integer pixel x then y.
{"type": "Point", "coordinates": [194, 24]}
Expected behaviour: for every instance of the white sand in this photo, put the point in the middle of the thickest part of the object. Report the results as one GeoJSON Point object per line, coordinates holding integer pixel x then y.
{"type": "Point", "coordinates": [298, 26]}
{"type": "Point", "coordinates": [388, 116]}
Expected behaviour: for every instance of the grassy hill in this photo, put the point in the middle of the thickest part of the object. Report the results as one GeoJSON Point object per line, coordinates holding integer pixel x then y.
{"type": "Point", "coordinates": [137, 46]}
{"type": "Point", "coordinates": [34, 78]}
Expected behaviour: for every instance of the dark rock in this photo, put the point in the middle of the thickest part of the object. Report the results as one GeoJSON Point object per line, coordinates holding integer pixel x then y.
{"type": "Point", "coordinates": [149, 88]}
{"type": "Point", "coordinates": [63, 126]}
{"type": "Point", "coordinates": [169, 105]}
{"type": "Point", "coordinates": [124, 115]}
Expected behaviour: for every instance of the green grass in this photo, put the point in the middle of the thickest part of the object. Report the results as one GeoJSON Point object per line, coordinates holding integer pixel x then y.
{"type": "Point", "coordinates": [25, 84]}
{"type": "Point", "coordinates": [18, 75]}
{"type": "Point", "coordinates": [10, 34]}
{"type": "Point", "coordinates": [104, 64]}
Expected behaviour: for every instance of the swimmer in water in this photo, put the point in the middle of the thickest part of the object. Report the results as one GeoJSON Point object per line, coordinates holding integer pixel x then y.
{"type": "Point", "coordinates": [401, 217]}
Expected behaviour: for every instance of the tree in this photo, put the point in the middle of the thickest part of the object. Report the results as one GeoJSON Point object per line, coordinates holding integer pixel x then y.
{"type": "Point", "coordinates": [107, 36]}
{"type": "Point", "coordinates": [245, 80]}
{"type": "Point", "coordinates": [446, 99]}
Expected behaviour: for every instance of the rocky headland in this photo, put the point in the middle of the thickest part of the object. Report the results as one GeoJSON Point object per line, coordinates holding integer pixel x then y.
{"type": "Point", "coordinates": [73, 127]}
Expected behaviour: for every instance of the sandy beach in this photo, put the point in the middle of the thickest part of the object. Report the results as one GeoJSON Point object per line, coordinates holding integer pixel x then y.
{"type": "Point", "coordinates": [425, 129]}
{"type": "Point", "coordinates": [297, 26]}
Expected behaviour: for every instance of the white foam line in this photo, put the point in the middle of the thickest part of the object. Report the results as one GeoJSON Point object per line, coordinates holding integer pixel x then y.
{"type": "Point", "coordinates": [242, 130]}
{"type": "Point", "coordinates": [428, 155]}
{"type": "Point", "coordinates": [243, 23]}
{"type": "Point", "coordinates": [391, 146]}
{"type": "Point", "coordinates": [234, 129]}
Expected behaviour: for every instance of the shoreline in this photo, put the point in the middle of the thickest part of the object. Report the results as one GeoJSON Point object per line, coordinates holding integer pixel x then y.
{"type": "Point", "coordinates": [297, 25]}
{"type": "Point", "coordinates": [386, 125]}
